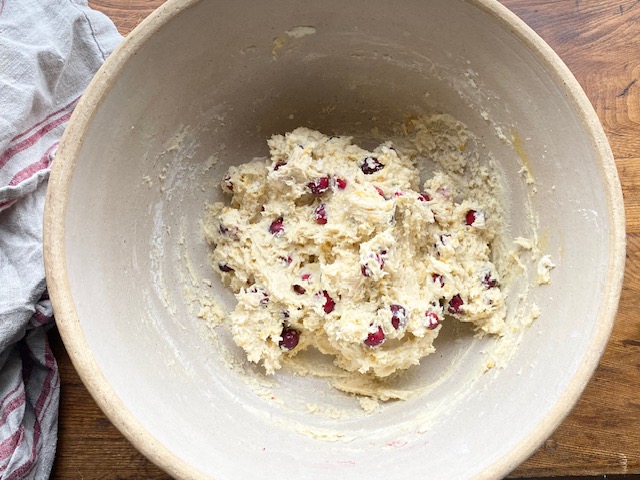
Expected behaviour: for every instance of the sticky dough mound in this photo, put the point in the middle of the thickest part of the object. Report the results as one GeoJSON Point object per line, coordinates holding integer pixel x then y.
{"type": "Point", "coordinates": [329, 245]}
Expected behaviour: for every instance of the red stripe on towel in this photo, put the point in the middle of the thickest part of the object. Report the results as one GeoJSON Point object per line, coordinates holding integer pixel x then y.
{"type": "Point", "coordinates": [57, 112]}
{"type": "Point", "coordinates": [34, 168]}
{"type": "Point", "coordinates": [40, 411]}
{"type": "Point", "coordinates": [30, 141]}
{"type": "Point", "coordinates": [11, 406]}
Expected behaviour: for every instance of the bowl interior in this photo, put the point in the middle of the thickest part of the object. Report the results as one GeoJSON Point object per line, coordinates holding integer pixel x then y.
{"type": "Point", "coordinates": [176, 108]}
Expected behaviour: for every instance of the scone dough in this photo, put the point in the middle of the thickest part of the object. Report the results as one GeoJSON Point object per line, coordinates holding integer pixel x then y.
{"type": "Point", "coordinates": [329, 245]}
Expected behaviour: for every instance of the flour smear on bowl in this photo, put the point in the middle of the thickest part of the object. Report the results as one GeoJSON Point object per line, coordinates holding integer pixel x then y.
{"type": "Point", "coordinates": [362, 254]}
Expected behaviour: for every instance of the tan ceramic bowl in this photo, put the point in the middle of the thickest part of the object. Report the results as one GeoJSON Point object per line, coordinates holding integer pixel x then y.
{"type": "Point", "coordinates": [201, 85]}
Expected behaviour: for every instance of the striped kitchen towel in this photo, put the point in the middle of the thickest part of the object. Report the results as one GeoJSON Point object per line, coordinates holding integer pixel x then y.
{"type": "Point", "coordinates": [49, 50]}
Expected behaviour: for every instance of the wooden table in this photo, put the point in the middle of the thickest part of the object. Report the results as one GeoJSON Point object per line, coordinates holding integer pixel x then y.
{"type": "Point", "coordinates": [600, 42]}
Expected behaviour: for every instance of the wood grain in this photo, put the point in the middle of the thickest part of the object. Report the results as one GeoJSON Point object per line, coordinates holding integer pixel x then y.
{"type": "Point", "coordinates": [598, 40]}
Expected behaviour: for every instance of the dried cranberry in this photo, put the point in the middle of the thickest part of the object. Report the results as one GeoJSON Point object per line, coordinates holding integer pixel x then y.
{"type": "Point", "coordinates": [299, 289]}
{"type": "Point", "coordinates": [371, 165]}
{"type": "Point", "coordinates": [432, 320]}
{"type": "Point", "coordinates": [279, 164]}
{"type": "Point", "coordinates": [398, 316]}
{"type": "Point", "coordinates": [455, 304]}
{"type": "Point", "coordinates": [379, 190]}
{"type": "Point", "coordinates": [341, 183]}
{"type": "Point", "coordinates": [329, 304]}
{"type": "Point", "coordinates": [225, 267]}
{"type": "Point", "coordinates": [287, 260]}
{"type": "Point", "coordinates": [320, 214]}
{"type": "Point", "coordinates": [379, 258]}
{"type": "Point", "coordinates": [231, 232]}
{"type": "Point", "coordinates": [260, 291]}
{"type": "Point", "coordinates": [438, 279]}
{"type": "Point", "coordinates": [424, 197]}
{"type": "Point", "coordinates": [489, 282]}
{"type": "Point", "coordinates": [228, 183]}
{"type": "Point", "coordinates": [277, 226]}
{"type": "Point", "coordinates": [306, 276]}
{"type": "Point", "coordinates": [398, 194]}
{"type": "Point", "coordinates": [290, 338]}
{"type": "Point", "coordinates": [375, 339]}
{"type": "Point", "coordinates": [319, 185]}
{"type": "Point", "coordinates": [470, 217]}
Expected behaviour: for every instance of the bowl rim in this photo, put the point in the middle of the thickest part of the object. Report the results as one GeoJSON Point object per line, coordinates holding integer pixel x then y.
{"type": "Point", "coordinates": [68, 321]}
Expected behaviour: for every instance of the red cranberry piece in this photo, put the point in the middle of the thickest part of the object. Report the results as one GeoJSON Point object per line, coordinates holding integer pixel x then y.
{"type": "Point", "coordinates": [260, 291]}
{"type": "Point", "coordinates": [228, 183]}
{"type": "Point", "coordinates": [432, 320]}
{"type": "Point", "coordinates": [424, 197]}
{"type": "Point", "coordinates": [470, 217]}
{"type": "Point", "coordinates": [398, 316]}
{"type": "Point", "coordinates": [320, 214]}
{"type": "Point", "coordinates": [489, 282]}
{"type": "Point", "coordinates": [379, 258]}
{"type": "Point", "coordinates": [290, 338]}
{"type": "Point", "coordinates": [279, 164]}
{"type": "Point", "coordinates": [329, 304]}
{"type": "Point", "coordinates": [371, 165]}
{"type": "Point", "coordinates": [299, 289]}
{"type": "Point", "coordinates": [398, 194]}
{"type": "Point", "coordinates": [319, 185]}
{"type": "Point", "coordinates": [229, 232]}
{"type": "Point", "coordinates": [277, 226]}
{"type": "Point", "coordinates": [375, 339]}
{"type": "Point", "coordinates": [380, 192]}
{"type": "Point", "coordinates": [225, 267]}
{"type": "Point", "coordinates": [455, 304]}
{"type": "Point", "coordinates": [438, 279]}
{"type": "Point", "coordinates": [287, 260]}
{"type": "Point", "coordinates": [306, 276]}
{"type": "Point", "coordinates": [365, 271]}
{"type": "Point", "coordinates": [341, 183]}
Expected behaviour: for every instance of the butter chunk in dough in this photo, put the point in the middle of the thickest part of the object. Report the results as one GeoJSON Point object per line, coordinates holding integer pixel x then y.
{"type": "Point", "coordinates": [332, 246]}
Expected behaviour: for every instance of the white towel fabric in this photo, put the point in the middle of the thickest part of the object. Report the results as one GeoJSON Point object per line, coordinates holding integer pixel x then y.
{"type": "Point", "coordinates": [49, 51]}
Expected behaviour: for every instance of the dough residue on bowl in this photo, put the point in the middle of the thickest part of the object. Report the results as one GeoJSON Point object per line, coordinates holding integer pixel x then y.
{"type": "Point", "coordinates": [359, 254]}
